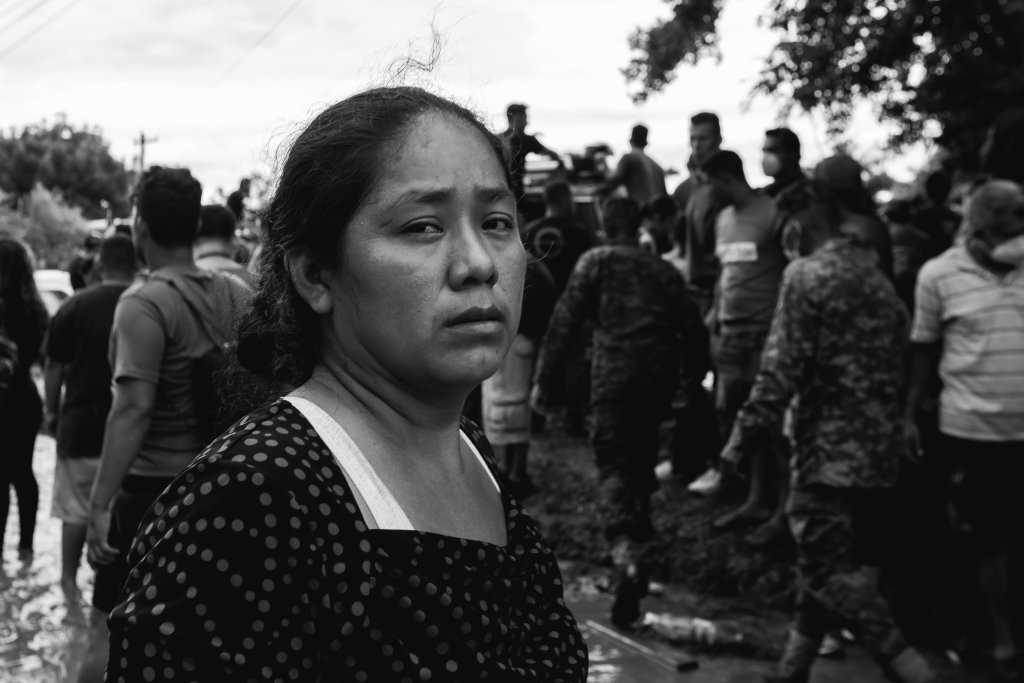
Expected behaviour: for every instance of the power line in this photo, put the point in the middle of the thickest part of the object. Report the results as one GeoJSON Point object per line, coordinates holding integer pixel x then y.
{"type": "Point", "coordinates": [266, 34]}
{"type": "Point", "coordinates": [31, 9]}
{"type": "Point", "coordinates": [53, 17]}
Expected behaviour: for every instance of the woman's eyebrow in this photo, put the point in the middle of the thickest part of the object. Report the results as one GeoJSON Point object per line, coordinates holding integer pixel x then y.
{"type": "Point", "coordinates": [439, 195]}
{"type": "Point", "coordinates": [422, 195]}
{"type": "Point", "coordinates": [493, 194]}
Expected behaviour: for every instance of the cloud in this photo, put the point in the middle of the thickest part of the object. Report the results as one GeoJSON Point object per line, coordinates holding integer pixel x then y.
{"type": "Point", "coordinates": [217, 90]}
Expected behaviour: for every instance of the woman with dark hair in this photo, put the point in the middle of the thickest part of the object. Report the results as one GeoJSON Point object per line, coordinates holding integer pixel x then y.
{"type": "Point", "coordinates": [357, 528]}
{"type": "Point", "coordinates": [23, 321]}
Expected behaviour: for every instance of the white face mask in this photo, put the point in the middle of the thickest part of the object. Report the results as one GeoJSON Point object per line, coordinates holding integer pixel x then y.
{"type": "Point", "coordinates": [771, 164]}
{"type": "Point", "coordinates": [1010, 252]}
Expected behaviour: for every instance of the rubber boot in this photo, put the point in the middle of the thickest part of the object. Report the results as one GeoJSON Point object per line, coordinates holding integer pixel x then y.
{"type": "Point", "coordinates": [797, 659]}
{"type": "Point", "coordinates": [633, 585]}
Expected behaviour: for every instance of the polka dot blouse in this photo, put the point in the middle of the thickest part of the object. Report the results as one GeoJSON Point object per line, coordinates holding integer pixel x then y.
{"type": "Point", "coordinates": [256, 565]}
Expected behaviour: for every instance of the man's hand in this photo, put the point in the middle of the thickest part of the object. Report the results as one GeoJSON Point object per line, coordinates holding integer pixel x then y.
{"type": "Point", "coordinates": [912, 437]}
{"type": "Point", "coordinates": [100, 552]}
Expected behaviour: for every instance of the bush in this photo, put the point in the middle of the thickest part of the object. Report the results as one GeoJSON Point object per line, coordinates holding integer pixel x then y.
{"type": "Point", "coordinates": [52, 229]}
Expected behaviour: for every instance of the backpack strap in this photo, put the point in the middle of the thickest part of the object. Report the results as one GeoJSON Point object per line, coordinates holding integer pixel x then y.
{"type": "Point", "coordinates": [205, 325]}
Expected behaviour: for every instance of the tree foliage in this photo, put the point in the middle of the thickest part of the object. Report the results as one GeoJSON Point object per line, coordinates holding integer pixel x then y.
{"type": "Point", "coordinates": [52, 229]}
{"type": "Point", "coordinates": [74, 163]}
{"type": "Point", "coordinates": [954, 62]}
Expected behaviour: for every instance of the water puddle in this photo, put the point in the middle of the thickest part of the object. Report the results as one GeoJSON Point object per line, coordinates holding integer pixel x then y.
{"type": "Point", "coordinates": [41, 638]}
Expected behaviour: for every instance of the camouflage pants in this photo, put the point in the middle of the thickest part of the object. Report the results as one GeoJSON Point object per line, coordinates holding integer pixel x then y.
{"type": "Point", "coordinates": [839, 533]}
{"type": "Point", "coordinates": [625, 439]}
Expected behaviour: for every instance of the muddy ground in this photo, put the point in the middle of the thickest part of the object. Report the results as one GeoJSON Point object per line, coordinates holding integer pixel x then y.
{"type": "Point", "coordinates": [719, 575]}
{"type": "Point", "coordinates": [686, 549]}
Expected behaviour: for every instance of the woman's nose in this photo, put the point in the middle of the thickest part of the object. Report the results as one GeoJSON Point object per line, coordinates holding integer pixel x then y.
{"type": "Point", "coordinates": [473, 259]}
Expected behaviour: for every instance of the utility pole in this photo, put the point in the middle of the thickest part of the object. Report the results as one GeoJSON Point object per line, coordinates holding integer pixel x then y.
{"type": "Point", "coordinates": [142, 141]}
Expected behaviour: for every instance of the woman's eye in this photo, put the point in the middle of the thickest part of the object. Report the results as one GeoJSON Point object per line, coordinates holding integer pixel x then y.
{"type": "Point", "coordinates": [422, 228]}
{"type": "Point", "coordinates": [499, 223]}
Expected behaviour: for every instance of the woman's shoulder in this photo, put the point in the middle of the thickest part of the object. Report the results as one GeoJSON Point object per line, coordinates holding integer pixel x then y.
{"type": "Point", "coordinates": [277, 441]}
{"type": "Point", "coordinates": [269, 470]}
{"type": "Point", "coordinates": [276, 428]}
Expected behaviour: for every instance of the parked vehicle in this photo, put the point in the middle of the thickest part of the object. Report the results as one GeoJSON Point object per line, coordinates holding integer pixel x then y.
{"type": "Point", "coordinates": [585, 171]}
{"type": "Point", "coordinates": [54, 288]}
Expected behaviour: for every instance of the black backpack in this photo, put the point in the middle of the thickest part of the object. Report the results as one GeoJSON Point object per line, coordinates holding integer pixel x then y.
{"type": "Point", "coordinates": [222, 391]}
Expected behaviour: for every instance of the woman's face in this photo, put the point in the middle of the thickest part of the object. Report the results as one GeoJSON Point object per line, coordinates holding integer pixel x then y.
{"type": "Point", "coordinates": [430, 285]}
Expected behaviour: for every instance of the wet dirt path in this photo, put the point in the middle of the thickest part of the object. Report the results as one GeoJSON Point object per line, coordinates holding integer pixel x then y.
{"type": "Point", "coordinates": [42, 638]}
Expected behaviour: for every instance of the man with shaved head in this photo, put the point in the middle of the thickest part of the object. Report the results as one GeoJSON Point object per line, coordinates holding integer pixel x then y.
{"type": "Point", "coordinates": [969, 318]}
{"type": "Point", "coordinates": [751, 261]}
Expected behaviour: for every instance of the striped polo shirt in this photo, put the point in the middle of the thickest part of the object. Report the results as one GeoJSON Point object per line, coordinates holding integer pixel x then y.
{"type": "Point", "coordinates": [978, 317]}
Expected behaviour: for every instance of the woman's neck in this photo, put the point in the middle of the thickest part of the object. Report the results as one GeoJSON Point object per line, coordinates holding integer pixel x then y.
{"type": "Point", "coordinates": [384, 417]}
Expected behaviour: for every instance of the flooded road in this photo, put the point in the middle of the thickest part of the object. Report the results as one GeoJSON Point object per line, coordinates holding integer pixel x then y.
{"type": "Point", "coordinates": [41, 637]}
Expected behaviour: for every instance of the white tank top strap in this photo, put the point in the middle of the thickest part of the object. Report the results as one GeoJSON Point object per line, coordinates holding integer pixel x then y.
{"type": "Point", "coordinates": [380, 509]}
{"type": "Point", "coordinates": [480, 458]}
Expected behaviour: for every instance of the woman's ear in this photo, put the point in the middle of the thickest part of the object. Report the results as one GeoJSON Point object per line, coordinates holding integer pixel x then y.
{"type": "Point", "coordinates": [309, 279]}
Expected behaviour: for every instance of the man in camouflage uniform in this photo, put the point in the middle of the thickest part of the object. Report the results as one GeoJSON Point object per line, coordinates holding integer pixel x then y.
{"type": "Point", "coordinates": [836, 345]}
{"type": "Point", "coordinates": [641, 318]}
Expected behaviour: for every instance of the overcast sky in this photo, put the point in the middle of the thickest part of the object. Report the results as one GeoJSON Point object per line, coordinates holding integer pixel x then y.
{"type": "Point", "coordinates": [220, 83]}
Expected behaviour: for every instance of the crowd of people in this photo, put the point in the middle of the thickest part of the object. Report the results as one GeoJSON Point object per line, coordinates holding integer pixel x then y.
{"type": "Point", "coordinates": [867, 380]}
{"type": "Point", "coordinates": [284, 483]}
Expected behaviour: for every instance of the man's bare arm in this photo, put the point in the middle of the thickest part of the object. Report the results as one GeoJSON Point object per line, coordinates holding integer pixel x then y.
{"type": "Point", "coordinates": [127, 424]}
{"type": "Point", "coordinates": [53, 382]}
{"type": "Point", "coordinates": [139, 351]}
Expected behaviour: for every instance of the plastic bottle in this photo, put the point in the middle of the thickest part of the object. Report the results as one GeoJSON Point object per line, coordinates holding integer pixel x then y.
{"type": "Point", "coordinates": [685, 629]}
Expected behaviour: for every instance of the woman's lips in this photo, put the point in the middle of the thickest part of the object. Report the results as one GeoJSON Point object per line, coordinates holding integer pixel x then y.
{"type": "Point", "coordinates": [476, 316]}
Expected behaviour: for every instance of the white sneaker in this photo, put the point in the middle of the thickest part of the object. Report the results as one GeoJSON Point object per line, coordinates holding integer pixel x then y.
{"type": "Point", "coordinates": [707, 483]}
{"type": "Point", "coordinates": [831, 647]}
{"type": "Point", "coordinates": [663, 471]}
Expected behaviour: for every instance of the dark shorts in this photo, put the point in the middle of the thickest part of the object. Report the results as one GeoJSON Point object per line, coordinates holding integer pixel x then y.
{"type": "Point", "coordinates": [737, 358]}
{"type": "Point", "coordinates": [130, 506]}
{"type": "Point", "coordinates": [985, 487]}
